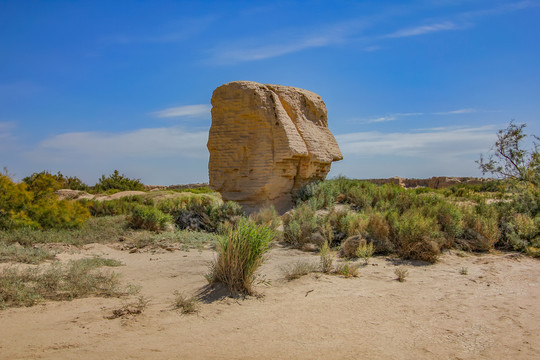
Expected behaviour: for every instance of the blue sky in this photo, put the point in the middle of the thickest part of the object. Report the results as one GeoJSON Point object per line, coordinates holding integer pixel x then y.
{"type": "Point", "coordinates": [413, 88]}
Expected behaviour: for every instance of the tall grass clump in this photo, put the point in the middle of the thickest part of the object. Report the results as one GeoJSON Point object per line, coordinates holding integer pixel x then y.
{"type": "Point", "coordinates": [327, 259]}
{"type": "Point", "coordinates": [239, 254]}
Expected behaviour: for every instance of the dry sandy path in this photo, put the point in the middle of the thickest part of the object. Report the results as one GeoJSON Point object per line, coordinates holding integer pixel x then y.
{"type": "Point", "coordinates": [438, 313]}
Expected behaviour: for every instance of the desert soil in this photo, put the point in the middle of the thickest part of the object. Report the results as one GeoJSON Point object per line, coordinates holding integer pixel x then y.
{"type": "Point", "coordinates": [492, 312]}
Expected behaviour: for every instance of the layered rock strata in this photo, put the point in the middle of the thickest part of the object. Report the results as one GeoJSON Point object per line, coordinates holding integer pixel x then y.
{"type": "Point", "coordinates": [266, 141]}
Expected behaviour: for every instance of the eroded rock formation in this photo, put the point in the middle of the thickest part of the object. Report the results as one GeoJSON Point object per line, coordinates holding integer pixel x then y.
{"type": "Point", "coordinates": [266, 141]}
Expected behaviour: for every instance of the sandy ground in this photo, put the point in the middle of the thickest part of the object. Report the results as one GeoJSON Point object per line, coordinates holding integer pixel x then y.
{"type": "Point", "coordinates": [492, 312]}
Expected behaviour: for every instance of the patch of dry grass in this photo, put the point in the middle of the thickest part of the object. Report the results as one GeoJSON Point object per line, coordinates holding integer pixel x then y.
{"type": "Point", "coordinates": [299, 269]}
{"type": "Point", "coordinates": [80, 278]}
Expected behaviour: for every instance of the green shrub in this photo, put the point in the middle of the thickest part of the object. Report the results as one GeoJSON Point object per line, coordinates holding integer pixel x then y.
{"type": "Point", "coordinates": [267, 216]}
{"type": "Point", "coordinates": [481, 228]}
{"type": "Point", "coordinates": [450, 218]}
{"type": "Point", "coordinates": [121, 206]}
{"type": "Point", "coordinates": [240, 253]}
{"type": "Point", "coordinates": [418, 237]}
{"type": "Point", "coordinates": [300, 225]}
{"type": "Point", "coordinates": [115, 181]}
{"type": "Point", "coordinates": [148, 218]}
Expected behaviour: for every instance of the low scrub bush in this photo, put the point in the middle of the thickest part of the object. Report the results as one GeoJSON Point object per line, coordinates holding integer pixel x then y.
{"type": "Point", "coordinates": [121, 206]}
{"type": "Point", "coordinates": [481, 228]}
{"type": "Point", "coordinates": [239, 254]}
{"type": "Point", "coordinates": [350, 246]}
{"type": "Point", "coordinates": [418, 237]}
{"type": "Point", "coordinates": [267, 216]}
{"type": "Point", "coordinates": [300, 226]}
{"type": "Point", "coordinates": [148, 218]}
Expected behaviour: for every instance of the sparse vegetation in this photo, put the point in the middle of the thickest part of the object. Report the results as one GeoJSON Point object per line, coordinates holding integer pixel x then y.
{"type": "Point", "coordinates": [22, 254]}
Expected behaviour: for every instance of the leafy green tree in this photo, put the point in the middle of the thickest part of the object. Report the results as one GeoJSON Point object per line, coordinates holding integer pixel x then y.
{"type": "Point", "coordinates": [509, 159]}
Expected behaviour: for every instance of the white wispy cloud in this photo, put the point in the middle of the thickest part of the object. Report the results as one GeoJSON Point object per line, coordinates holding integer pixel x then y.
{"type": "Point", "coordinates": [346, 32]}
{"type": "Point", "coordinates": [251, 50]}
{"type": "Point", "coordinates": [428, 143]}
{"type": "Point", "coordinates": [390, 117]}
{"type": "Point", "coordinates": [423, 29]}
{"type": "Point", "coordinates": [502, 9]}
{"type": "Point", "coordinates": [142, 143]}
{"type": "Point", "coordinates": [456, 112]}
{"type": "Point", "coordinates": [187, 110]}
{"type": "Point", "coordinates": [182, 30]}
{"type": "Point", "coordinates": [397, 116]}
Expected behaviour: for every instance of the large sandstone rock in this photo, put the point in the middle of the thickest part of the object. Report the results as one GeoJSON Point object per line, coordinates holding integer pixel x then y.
{"type": "Point", "coordinates": [266, 141]}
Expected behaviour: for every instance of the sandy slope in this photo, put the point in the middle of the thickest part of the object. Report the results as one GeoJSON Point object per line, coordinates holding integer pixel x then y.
{"type": "Point", "coordinates": [490, 313]}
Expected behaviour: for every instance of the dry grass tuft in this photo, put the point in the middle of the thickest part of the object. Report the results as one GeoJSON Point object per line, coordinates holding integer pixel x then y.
{"type": "Point", "coordinates": [185, 304]}
{"type": "Point", "coordinates": [347, 270]}
{"type": "Point", "coordinates": [327, 259]}
{"type": "Point", "coordinates": [299, 269]}
{"type": "Point", "coordinates": [401, 274]}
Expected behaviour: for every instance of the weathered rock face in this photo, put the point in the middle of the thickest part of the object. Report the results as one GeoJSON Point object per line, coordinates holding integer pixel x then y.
{"type": "Point", "coordinates": [266, 141]}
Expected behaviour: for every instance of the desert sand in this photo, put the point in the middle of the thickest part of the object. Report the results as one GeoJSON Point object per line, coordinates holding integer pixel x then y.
{"type": "Point", "coordinates": [492, 312]}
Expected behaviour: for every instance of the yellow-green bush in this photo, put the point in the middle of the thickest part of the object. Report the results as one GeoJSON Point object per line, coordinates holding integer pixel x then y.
{"type": "Point", "coordinates": [35, 205]}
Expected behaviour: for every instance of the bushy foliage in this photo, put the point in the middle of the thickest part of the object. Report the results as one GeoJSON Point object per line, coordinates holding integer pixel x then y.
{"type": "Point", "coordinates": [121, 206]}
{"type": "Point", "coordinates": [148, 218]}
{"type": "Point", "coordinates": [45, 180]}
{"type": "Point", "coordinates": [35, 205]}
{"type": "Point", "coordinates": [509, 158]}
{"type": "Point", "coordinates": [240, 254]}
{"type": "Point", "coordinates": [115, 181]}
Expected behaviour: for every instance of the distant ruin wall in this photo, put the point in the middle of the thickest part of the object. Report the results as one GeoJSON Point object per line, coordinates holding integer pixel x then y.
{"type": "Point", "coordinates": [436, 182]}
